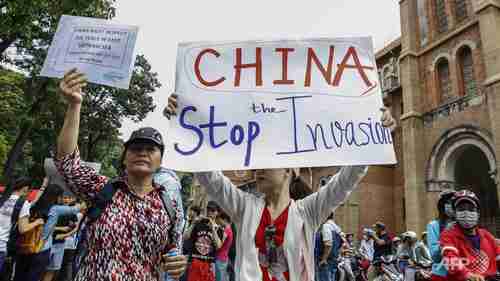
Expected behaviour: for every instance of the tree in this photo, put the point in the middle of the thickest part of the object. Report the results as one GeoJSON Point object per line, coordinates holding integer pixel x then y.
{"type": "Point", "coordinates": [25, 21]}
{"type": "Point", "coordinates": [105, 107]}
{"type": "Point", "coordinates": [29, 26]}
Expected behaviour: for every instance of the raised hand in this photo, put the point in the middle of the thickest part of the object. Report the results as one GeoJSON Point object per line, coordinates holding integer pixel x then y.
{"type": "Point", "coordinates": [71, 86]}
{"type": "Point", "coordinates": [171, 109]}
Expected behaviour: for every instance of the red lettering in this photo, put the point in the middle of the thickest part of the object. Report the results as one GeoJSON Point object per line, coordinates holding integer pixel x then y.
{"type": "Point", "coordinates": [327, 74]}
{"type": "Point", "coordinates": [198, 72]}
{"type": "Point", "coordinates": [257, 65]}
{"type": "Point", "coordinates": [357, 65]}
{"type": "Point", "coordinates": [284, 67]}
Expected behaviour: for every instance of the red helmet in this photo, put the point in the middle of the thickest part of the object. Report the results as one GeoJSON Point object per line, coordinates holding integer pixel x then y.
{"type": "Point", "coordinates": [465, 195]}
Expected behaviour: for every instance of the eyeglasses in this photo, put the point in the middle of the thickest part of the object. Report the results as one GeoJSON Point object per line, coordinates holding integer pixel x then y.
{"type": "Point", "coordinates": [271, 247]}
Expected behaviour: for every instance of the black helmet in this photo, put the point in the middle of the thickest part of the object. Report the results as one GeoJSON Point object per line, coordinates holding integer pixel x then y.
{"type": "Point", "coordinates": [444, 196]}
{"type": "Point", "coordinates": [149, 134]}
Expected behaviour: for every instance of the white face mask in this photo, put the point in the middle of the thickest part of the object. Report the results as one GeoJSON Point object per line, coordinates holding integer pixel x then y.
{"type": "Point", "coordinates": [467, 219]}
{"type": "Point", "coordinates": [448, 210]}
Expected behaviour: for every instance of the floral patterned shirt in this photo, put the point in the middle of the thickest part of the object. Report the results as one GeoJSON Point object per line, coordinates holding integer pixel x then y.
{"type": "Point", "coordinates": [127, 240]}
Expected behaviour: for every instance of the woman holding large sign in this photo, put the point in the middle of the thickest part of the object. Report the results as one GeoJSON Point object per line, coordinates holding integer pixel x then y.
{"type": "Point", "coordinates": [276, 234]}
{"type": "Point", "coordinates": [131, 222]}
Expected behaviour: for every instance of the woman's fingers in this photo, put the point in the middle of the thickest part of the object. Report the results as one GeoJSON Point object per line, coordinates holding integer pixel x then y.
{"type": "Point", "coordinates": [77, 82]}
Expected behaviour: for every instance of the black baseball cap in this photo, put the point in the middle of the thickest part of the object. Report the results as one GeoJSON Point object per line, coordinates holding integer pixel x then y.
{"type": "Point", "coordinates": [147, 134]}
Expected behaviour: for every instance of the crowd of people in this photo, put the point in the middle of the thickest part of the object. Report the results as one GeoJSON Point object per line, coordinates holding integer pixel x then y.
{"type": "Point", "coordinates": [134, 226]}
{"type": "Point", "coordinates": [453, 247]}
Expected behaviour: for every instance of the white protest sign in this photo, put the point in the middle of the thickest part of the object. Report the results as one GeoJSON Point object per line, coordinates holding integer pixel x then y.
{"type": "Point", "coordinates": [104, 51]}
{"type": "Point", "coordinates": [275, 104]}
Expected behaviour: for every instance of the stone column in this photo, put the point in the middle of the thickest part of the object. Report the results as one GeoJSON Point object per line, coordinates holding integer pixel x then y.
{"type": "Point", "coordinates": [488, 12]}
{"type": "Point", "coordinates": [411, 121]}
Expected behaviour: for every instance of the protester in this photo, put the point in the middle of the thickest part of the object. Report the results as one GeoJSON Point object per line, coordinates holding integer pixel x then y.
{"type": "Point", "coordinates": [65, 227]}
{"type": "Point", "coordinates": [435, 228]}
{"type": "Point", "coordinates": [130, 237]}
{"type": "Point", "coordinates": [347, 253]}
{"type": "Point", "coordinates": [396, 243]}
{"type": "Point", "coordinates": [402, 251]}
{"type": "Point", "coordinates": [14, 210]}
{"type": "Point", "coordinates": [32, 261]}
{"type": "Point", "coordinates": [222, 254]}
{"type": "Point", "coordinates": [366, 250]}
{"type": "Point", "coordinates": [276, 233]}
{"type": "Point", "coordinates": [382, 247]}
{"type": "Point", "coordinates": [207, 239]}
{"type": "Point", "coordinates": [327, 250]}
{"type": "Point", "coordinates": [469, 251]}
{"type": "Point", "coordinates": [66, 272]}
{"type": "Point", "coordinates": [419, 257]}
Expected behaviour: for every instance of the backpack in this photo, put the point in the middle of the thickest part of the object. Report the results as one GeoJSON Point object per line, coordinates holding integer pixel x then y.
{"type": "Point", "coordinates": [103, 199]}
{"type": "Point", "coordinates": [31, 242]}
{"type": "Point", "coordinates": [14, 232]}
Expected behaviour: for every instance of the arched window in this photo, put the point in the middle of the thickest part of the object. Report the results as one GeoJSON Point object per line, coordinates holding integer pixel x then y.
{"type": "Point", "coordinates": [443, 74]}
{"type": "Point", "coordinates": [460, 10]}
{"type": "Point", "coordinates": [442, 19]}
{"type": "Point", "coordinates": [466, 64]}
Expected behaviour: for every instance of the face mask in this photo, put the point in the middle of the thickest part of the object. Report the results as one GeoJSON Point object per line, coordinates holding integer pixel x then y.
{"type": "Point", "coordinates": [467, 219]}
{"type": "Point", "coordinates": [448, 210]}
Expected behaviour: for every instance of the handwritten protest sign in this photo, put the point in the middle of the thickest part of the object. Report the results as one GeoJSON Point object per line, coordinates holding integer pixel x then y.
{"type": "Point", "coordinates": [98, 48]}
{"type": "Point", "coordinates": [272, 104]}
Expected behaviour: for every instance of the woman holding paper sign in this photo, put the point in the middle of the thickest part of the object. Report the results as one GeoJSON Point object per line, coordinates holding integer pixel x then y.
{"type": "Point", "coordinates": [276, 233]}
{"type": "Point", "coordinates": [131, 222]}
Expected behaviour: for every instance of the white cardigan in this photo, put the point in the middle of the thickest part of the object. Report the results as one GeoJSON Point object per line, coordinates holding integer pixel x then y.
{"type": "Point", "coordinates": [304, 218]}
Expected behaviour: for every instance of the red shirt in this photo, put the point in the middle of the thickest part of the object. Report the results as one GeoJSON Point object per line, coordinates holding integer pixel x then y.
{"type": "Point", "coordinates": [464, 259]}
{"type": "Point", "coordinates": [278, 270]}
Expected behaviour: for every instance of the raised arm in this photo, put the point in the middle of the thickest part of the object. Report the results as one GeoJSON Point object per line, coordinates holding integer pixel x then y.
{"type": "Point", "coordinates": [222, 191]}
{"type": "Point", "coordinates": [83, 181]}
{"type": "Point", "coordinates": [319, 205]}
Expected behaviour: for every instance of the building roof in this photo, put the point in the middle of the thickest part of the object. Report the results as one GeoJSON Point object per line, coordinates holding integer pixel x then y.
{"type": "Point", "coordinates": [388, 48]}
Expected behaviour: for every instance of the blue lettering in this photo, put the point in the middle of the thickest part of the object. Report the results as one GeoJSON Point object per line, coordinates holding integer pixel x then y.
{"type": "Point", "coordinates": [314, 135]}
{"type": "Point", "coordinates": [360, 126]}
{"type": "Point", "coordinates": [379, 132]}
{"type": "Point", "coordinates": [294, 123]}
{"type": "Point", "coordinates": [184, 125]}
{"type": "Point", "coordinates": [253, 133]}
{"type": "Point", "coordinates": [211, 128]}
{"type": "Point", "coordinates": [237, 135]}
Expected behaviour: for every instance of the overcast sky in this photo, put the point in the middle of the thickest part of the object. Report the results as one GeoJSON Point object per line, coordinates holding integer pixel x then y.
{"type": "Point", "coordinates": [165, 23]}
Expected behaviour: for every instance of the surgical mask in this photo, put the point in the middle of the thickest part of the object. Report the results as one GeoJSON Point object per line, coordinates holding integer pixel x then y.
{"type": "Point", "coordinates": [448, 210]}
{"type": "Point", "coordinates": [467, 219]}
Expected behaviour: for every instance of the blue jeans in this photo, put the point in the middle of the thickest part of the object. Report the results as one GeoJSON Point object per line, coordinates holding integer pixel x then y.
{"type": "Point", "coordinates": [221, 273]}
{"type": "Point", "coordinates": [326, 272]}
{"type": "Point", "coordinates": [3, 255]}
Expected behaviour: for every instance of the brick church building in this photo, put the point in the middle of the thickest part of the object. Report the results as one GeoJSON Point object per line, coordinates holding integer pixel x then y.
{"type": "Point", "coordinates": [441, 79]}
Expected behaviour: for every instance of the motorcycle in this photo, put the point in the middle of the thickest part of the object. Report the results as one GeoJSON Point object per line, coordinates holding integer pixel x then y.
{"type": "Point", "coordinates": [388, 269]}
{"type": "Point", "coordinates": [350, 268]}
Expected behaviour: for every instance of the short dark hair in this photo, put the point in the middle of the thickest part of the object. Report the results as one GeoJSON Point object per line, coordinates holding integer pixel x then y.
{"type": "Point", "coordinates": [21, 182]}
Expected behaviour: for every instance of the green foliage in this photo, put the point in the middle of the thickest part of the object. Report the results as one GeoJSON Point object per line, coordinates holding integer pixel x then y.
{"type": "Point", "coordinates": [4, 149]}
{"type": "Point", "coordinates": [33, 107]}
